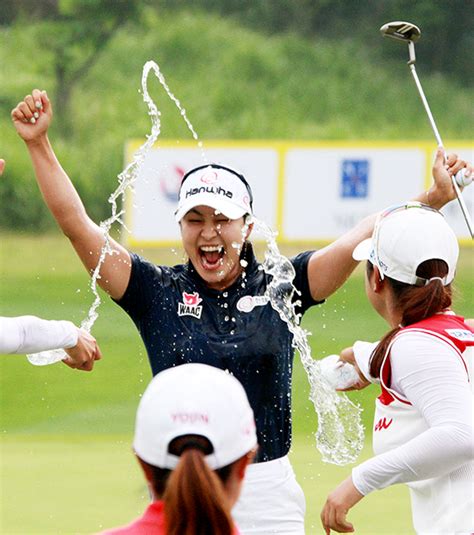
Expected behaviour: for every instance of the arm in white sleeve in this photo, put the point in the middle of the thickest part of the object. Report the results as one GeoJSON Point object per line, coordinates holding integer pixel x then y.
{"type": "Point", "coordinates": [29, 334]}
{"type": "Point", "coordinates": [362, 353]}
{"type": "Point", "coordinates": [430, 374]}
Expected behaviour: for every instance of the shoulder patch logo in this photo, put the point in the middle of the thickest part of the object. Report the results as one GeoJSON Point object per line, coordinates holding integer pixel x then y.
{"type": "Point", "coordinates": [190, 305]}
{"type": "Point", "coordinates": [461, 334]}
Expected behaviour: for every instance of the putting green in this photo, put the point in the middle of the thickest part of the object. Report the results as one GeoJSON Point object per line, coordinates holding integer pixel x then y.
{"type": "Point", "coordinates": [53, 484]}
{"type": "Point", "coordinates": [65, 459]}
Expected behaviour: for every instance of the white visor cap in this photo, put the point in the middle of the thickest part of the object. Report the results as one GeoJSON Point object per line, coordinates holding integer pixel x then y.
{"type": "Point", "coordinates": [217, 187]}
{"type": "Point", "coordinates": [408, 238]}
{"type": "Point", "coordinates": [194, 399]}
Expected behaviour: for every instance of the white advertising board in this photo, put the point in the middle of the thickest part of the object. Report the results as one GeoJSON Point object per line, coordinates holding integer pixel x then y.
{"type": "Point", "coordinates": [311, 192]}
{"type": "Point", "coordinates": [328, 191]}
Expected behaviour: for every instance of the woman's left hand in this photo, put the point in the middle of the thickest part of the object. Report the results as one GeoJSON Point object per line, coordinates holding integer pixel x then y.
{"type": "Point", "coordinates": [338, 503]}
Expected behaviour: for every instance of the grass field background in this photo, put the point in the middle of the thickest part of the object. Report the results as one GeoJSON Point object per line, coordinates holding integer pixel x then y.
{"type": "Point", "coordinates": [66, 461]}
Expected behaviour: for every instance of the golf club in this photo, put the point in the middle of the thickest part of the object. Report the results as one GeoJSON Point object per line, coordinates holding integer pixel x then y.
{"type": "Point", "coordinates": [409, 33]}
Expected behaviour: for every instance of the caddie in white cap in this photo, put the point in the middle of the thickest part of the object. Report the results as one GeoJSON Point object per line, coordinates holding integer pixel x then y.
{"type": "Point", "coordinates": [194, 436]}
{"type": "Point", "coordinates": [423, 424]}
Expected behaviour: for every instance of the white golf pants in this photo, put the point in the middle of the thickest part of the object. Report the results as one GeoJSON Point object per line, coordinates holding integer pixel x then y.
{"type": "Point", "coordinates": [271, 502]}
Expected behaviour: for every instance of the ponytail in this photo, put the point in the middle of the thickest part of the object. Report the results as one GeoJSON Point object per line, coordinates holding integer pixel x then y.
{"type": "Point", "coordinates": [195, 502]}
{"type": "Point", "coordinates": [415, 302]}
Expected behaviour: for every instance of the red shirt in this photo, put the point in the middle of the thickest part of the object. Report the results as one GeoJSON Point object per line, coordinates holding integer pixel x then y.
{"type": "Point", "coordinates": [151, 523]}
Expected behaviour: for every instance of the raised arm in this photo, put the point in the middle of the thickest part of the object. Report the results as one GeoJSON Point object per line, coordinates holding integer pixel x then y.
{"type": "Point", "coordinates": [32, 118]}
{"type": "Point", "coordinates": [330, 267]}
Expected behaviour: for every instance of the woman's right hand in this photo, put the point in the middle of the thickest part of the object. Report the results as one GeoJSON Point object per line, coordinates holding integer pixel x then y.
{"type": "Point", "coordinates": [32, 116]}
{"type": "Point", "coordinates": [347, 355]}
{"type": "Point", "coordinates": [84, 354]}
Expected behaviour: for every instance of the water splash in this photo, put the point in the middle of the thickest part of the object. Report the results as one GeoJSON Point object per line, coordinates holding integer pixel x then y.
{"type": "Point", "coordinates": [340, 433]}
{"type": "Point", "coordinates": [126, 180]}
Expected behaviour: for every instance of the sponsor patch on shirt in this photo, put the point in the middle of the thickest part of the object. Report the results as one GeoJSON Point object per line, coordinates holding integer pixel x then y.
{"type": "Point", "coordinates": [190, 305]}
{"type": "Point", "coordinates": [461, 334]}
{"type": "Point", "coordinates": [249, 302]}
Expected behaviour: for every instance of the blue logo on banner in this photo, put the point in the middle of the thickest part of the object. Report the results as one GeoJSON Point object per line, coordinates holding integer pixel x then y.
{"type": "Point", "coordinates": [355, 178]}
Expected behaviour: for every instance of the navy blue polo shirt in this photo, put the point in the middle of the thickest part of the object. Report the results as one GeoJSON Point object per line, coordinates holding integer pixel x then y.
{"type": "Point", "coordinates": [181, 320]}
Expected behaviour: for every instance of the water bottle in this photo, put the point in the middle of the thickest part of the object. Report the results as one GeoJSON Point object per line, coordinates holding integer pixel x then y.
{"type": "Point", "coordinates": [47, 357]}
{"type": "Point", "coordinates": [338, 374]}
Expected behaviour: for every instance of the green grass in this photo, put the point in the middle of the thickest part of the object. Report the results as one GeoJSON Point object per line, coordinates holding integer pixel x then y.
{"type": "Point", "coordinates": [82, 483]}
{"type": "Point", "coordinates": [66, 461]}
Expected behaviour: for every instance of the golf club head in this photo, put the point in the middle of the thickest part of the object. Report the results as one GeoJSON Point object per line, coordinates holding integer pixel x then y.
{"type": "Point", "coordinates": [401, 31]}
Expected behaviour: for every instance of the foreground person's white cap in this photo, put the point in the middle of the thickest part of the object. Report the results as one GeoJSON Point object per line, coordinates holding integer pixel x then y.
{"type": "Point", "coordinates": [194, 399]}
{"type": "Point", "coordinates": [404, 237]}
{"type": "Point", "coordinates": [216, 186]}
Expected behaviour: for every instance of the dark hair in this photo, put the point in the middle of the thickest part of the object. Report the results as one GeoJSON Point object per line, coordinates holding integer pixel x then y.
{"type": "Point", "coordinates": [195, 502]}
{"type": "Point", "coordinates": [415, 302]}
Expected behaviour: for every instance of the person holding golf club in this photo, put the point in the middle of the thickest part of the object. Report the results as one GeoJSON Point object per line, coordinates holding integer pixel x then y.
{"type": "Point", "coordinates": [29, 334]}
{"type": "Point", "coordinates": [423, 425]}
{"type": "Point", "coordinates": [214, 309]}
{"type": "Point", "coordinates": [194, 438]}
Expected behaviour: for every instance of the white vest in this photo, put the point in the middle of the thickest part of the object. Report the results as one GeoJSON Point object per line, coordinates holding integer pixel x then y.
{"type": "Point", "coordinates": [443, 504]}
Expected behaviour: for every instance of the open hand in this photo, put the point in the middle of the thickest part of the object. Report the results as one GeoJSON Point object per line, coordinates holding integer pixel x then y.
{"type": "Point", "coordinates": [338, 503]}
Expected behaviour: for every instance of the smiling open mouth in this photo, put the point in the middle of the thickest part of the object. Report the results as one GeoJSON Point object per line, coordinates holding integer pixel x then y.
{"type": "Point", "coordinates": [211, 256]}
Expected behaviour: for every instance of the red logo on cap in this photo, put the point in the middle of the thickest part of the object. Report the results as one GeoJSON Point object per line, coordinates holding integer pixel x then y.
{"type": "Point", "coordinates": [209, 177]}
